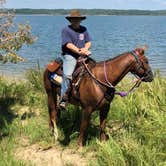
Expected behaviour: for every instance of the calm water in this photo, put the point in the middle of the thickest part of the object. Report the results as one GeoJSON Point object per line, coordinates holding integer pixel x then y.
{"type": "Point", "coordinates": [111, 36]}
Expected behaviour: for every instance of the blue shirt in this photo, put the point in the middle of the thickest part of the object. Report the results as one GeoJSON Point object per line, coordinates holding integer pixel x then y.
{"type": "Point", "coordinates": [77, 37]}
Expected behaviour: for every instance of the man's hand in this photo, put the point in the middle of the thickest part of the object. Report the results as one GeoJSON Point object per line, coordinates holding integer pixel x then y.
{"type": "Point", "coordinates": [84, 51]}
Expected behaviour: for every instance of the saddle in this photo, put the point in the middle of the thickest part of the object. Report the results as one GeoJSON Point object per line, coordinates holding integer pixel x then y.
{"type": "Point", "coordinates": [56, 71]}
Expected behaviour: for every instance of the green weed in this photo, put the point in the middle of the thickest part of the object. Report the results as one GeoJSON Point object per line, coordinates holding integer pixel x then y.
{"type": "Point", "coordinates": [135, 124]}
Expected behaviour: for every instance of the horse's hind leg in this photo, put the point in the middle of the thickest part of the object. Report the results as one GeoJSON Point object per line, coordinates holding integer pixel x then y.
{"type": "Point", "coordinates": [52, 103]}
{"type": "Point", "coordinates": [103, 115]}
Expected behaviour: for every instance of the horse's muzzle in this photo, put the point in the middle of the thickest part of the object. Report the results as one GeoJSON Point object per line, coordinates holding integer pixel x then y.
{"type": "Point", "coordinates": [148, 77]}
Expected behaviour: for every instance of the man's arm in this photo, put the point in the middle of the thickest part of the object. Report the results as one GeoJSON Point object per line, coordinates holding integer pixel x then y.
{"type": "Point", "coordinates": [81, 51]}
{"type": "Point", "coordinates": [73, 48]}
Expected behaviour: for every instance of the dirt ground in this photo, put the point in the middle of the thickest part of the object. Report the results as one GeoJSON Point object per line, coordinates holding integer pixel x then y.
{"type": "Point", "coordinates": [54, 155]}
{"type": "Point", "coordinates": [51, 156]}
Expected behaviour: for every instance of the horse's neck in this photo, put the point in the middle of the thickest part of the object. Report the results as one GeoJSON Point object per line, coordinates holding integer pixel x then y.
{"type": "Point", "coordinates": [116, 69]}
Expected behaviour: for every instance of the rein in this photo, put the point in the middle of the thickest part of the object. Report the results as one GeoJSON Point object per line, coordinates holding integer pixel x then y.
{"type": "Point", "coordinates": [91, 74]}
{"type": "Point", "coordinates": [108, 84]}
{"type": "Point", "coordinates": [136, 85]}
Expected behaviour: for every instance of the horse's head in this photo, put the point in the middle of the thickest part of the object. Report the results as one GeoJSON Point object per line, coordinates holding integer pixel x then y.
{"type": "Point", "coordinates": [141, 66]}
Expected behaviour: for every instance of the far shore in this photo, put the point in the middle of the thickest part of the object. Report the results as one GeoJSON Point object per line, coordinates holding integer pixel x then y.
{"type": "Point", "coordinates": [86, 15]}
{"type": "Point", "coordinates": [90, 12]}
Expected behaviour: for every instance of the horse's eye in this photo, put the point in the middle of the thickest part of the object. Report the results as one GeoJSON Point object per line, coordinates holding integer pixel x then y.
{"type": "Point", "coordinates": [147, 62]}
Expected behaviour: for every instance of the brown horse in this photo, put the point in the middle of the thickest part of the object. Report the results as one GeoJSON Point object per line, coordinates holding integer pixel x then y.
{"type": "Point", "coordinates": [97, 88]}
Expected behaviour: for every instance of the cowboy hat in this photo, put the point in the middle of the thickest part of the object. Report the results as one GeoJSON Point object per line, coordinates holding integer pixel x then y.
{"type": "Point", "coordinates": [75, 14]}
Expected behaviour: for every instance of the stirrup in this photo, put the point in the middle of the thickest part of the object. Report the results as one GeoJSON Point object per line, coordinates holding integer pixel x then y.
{"type": "Point", "coordinates": [62, 105]}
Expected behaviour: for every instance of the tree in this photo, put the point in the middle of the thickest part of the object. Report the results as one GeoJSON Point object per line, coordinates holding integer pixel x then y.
{"type": "Point", "coordinates": [12, 37]}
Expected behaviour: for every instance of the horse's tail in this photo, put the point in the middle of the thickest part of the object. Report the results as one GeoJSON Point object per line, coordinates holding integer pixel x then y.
{"type": "Point", "coordinates": [47, 82]}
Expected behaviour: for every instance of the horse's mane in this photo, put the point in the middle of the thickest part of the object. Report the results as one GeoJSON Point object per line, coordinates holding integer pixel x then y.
{"type": "Point", "coordinates": [115, 57]}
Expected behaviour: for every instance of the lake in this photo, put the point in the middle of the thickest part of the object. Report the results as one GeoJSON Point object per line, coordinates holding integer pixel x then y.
{"type": "Point", "coordinates": [111, 35]}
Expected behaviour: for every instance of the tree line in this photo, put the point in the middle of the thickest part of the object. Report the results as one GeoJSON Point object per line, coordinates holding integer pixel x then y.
{"type": "Point", "coordinates": [91, 12]}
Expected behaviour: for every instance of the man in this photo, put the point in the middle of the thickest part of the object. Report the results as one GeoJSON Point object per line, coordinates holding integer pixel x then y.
{"type": "Point", "coordinates": [76, 42]}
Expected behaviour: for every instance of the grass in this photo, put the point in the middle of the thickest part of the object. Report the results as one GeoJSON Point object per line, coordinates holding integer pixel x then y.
{"type": "Point", "coordinates": [135, 124]}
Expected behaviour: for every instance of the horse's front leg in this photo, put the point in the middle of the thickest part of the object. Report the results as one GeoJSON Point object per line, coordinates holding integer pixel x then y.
{"type": "Point", "coordinates": [103, 115]}
{"type": "Point", "coordinates": [84, 123]}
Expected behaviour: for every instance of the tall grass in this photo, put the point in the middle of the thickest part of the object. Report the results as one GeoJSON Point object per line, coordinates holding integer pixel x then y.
{"type": "Point", "coordinates": [22, 111]}
{"type": "Point", "coordinates": [8, 142]}
{"type": "Point", "coordinates": [141, 140]}
{"type": "Point", "coordinates": [136, 124]}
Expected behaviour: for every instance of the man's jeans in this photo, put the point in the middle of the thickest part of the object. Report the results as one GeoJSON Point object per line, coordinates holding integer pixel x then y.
{"type": "Point", "coordinates": [69, 64]}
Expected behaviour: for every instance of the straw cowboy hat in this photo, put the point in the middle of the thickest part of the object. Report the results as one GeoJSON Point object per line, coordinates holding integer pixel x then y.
{"type": "Point", "coordinates": [75, 14]}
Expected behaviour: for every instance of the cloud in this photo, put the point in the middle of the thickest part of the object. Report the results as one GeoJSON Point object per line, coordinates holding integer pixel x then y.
{"type": "Point", "coordinates": [161, 2]}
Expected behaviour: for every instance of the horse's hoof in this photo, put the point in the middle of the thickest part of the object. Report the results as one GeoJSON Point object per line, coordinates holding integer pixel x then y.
{"type": "Point", "coordinates": [55, 138]}
{"type": "Point", "coordinates": [80, 145]}
{"type": "Point", "coordinates": [104, 137]}
{"type": "Point", "coordinates": [80, 149]}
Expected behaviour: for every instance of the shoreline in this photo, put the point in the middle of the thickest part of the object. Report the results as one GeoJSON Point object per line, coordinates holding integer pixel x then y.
{"type": "Point", "coordinates": [22, 77]}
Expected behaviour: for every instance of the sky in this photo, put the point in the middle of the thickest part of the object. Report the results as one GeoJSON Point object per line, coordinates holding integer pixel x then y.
{"type": "Point", "coordinates": [88, 4]}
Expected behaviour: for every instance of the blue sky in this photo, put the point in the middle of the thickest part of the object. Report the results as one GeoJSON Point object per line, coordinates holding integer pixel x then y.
{"type": "Point", "coordinates": [88, 4]}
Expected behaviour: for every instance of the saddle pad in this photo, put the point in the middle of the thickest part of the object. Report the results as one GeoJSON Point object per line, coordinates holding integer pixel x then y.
{"type": "Point", "coordinates": [53, 66]}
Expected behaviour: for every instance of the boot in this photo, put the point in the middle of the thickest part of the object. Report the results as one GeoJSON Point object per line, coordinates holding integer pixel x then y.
{"type": "Point", "coordinates": [62, 105]}
{"type": "Point", "coordinates": [64, 100]}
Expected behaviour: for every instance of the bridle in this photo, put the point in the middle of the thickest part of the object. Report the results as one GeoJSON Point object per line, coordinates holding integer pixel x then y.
{"type": "Point", "coordinates": [139, 66]}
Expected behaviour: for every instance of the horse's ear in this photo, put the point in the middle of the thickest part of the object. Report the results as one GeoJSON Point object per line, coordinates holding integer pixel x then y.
{"type": "Point", "coordinates": [145, 47]}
